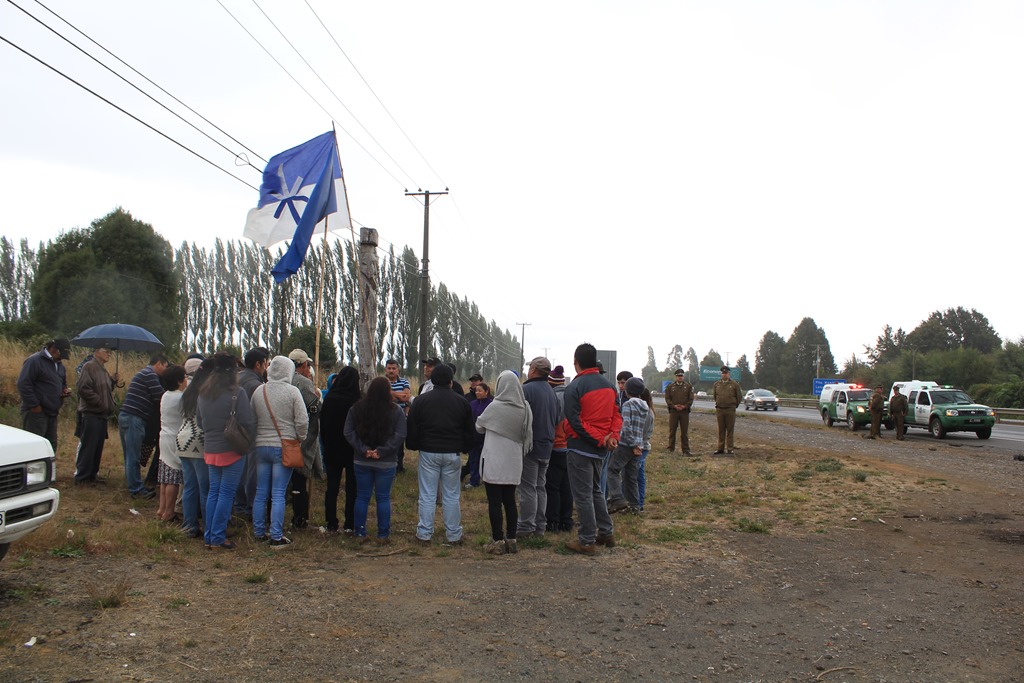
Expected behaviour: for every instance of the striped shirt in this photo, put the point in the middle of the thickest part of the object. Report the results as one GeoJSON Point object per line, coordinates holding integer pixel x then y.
{"type": "Point", "coordinates": [401, 384]}
{"type": "Point", "coordinates": [144, 394]}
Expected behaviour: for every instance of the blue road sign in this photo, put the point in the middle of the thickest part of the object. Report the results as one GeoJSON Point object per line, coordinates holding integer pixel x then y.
{"type": "Point", "coordinates": [820, 382]}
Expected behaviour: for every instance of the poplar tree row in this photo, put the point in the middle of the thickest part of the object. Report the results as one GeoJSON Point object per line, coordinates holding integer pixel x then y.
{"type": "Point", "coordinates": [206, 299]}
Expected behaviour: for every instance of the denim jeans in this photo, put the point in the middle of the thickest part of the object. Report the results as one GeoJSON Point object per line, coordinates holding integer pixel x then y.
{"type": "Point", "coordinates": [472, 466]}
{"type": "Point", "coordinates": [375, 482]}
{"type": "Point", "coordinates": [439, 470]}
{"type": "Point", "coordinates": [223, 485]}
{"type": "Point", "coordinates": [271, 482]}
{"type": "Point", "coordinates": [197, 490]}
{"type": "Point", "coordinates": [641, 477]}
{"type": "Point", "coordinates": [132, 430]}
{"type": "Point", "coordinates": [606, 462]}
{"type": "Point", "coordinates": [246, 493]}
{"type": "Point", "coordinates": [533, 496]}
{"type": "Point", "coordinates": [591, 509]}
{"type": "Point", "coordinates": [622, 477]}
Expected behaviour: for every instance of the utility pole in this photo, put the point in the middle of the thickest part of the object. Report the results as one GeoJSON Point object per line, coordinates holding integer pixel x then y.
{"type": "Point", "coordinates": [425, 273]}
{"type": "Point", "coordinates": [522, 345]}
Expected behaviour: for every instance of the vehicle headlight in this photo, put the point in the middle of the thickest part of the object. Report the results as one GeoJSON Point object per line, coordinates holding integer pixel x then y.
{"type": "Point", "coordinates": [860, 409]}
{"type": "Point", "coordinates": [37, 472]}
{"type": "Point", "coordinates": [990, 413]}
{"type": "Point", "coordinates": [952, 412]}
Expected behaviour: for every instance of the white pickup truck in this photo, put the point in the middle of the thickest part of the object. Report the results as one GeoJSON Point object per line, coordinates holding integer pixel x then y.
{"type": "Point", "coordinates": [26, 471]}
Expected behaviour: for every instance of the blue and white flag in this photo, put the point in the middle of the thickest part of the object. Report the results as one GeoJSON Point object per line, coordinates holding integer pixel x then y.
{"type": "Point", "coordinates": [301, 187]}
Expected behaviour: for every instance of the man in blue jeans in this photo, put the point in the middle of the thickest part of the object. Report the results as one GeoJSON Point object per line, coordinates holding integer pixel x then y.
{"type": "Point", "coordinates": [592, 429]}
{"type": "Point", "coordinates": [141, 404]}
{"type": "Point", "coordinates": [440, 427]}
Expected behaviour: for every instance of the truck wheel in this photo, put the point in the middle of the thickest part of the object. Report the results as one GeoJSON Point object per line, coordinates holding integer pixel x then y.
{"type": "Point", "coordinates": [850, 423]}
{"type": "Point", "coordinates": [984, 433]}
{"type": "Point", "coordinates": [776, 408]}
{"type": "Point", "coordinates": [3, 549]}
{"type": "Point", "coordinates": [936, 429]}
{"type": "Point", "coordinates": [746, 406]}
{"type": "Point", "coordinates": [887, 424]}
{"type": "Point", "coordinates": [825, 418]}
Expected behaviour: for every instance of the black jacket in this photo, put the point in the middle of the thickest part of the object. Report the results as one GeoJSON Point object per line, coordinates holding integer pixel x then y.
{"type": "Point", "coordinates": [440, 421]}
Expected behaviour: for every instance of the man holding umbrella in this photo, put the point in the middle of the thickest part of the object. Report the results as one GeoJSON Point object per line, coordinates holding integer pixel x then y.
{"type": "Point", "coordinates": [43, 386]}
{"type": "Point", "coordinates": [142, 402]}
{"type": "Point", "coordinates": [95, 406]}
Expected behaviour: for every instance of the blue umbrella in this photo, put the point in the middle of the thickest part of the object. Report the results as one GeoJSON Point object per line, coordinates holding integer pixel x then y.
{"type": "Point", "coordinates": [119, 337]}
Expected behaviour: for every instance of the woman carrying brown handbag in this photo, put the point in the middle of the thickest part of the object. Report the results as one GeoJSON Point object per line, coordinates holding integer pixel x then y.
{"type": "Point", "coordinates": [280, 414]}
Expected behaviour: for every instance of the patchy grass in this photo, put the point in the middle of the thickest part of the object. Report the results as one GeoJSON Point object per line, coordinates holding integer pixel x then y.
{"type": "Point", "coordinates": [773, 486]}
{"type": "Point", "coordinates": [680, 534]}
{"type": "Point", "coordinates": [107, 596]}
{"type": "Point", "coordinates": [753, 526]}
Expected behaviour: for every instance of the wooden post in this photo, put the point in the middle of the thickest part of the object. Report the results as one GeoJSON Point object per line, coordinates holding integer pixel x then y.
{"type": "Point", "coordinates": [368, 270]}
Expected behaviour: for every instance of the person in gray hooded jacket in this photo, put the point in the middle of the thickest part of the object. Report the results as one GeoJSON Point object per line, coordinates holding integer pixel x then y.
{"type": "Point", "coordinates": [507, 426]}
{"type": "Point", "coordinates": [281, 402]}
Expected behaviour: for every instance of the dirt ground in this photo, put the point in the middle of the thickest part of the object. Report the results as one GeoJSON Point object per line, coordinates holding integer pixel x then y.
{"type": "Point", "coordinates": [930, 591]}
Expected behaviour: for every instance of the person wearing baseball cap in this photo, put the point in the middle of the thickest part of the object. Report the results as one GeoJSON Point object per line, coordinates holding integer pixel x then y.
{"type": "Point", "coordinates": [533, 498]}
{"type": "Point", "coordinates": [428, 371]}
{"type": "Point", "coordinates": [43, 386]}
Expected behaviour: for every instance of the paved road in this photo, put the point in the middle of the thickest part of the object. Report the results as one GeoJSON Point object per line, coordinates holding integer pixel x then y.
{"type": "Point", "coordinates": [1007, 436]}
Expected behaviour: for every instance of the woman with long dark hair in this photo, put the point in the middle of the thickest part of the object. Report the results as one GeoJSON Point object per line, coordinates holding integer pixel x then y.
{"type": "Point", "coordinates": [338, 454]}
{"type": "Point", "coordinates": [507, 426]}
{"type": "Point", "coordinates": [375, 427]}
{"type": "Point", "coordinates": [218, 398]}
{"type": "Point", "coordinates": [190, 449]}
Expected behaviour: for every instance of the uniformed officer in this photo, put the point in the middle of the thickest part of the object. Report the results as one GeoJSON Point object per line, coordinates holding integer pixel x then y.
{"type": "Point", "coordinates": [898, 410]}
{"type": "Point", "coordinates": [727, 395]}
{"type": "Point", "coordinates": [679, 399]}
{"type": "Point", "coordinates": [876, 406]}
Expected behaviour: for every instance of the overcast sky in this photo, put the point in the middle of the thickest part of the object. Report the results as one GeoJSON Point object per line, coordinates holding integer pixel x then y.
{"type": "Point", "coordinates": [629, 174]}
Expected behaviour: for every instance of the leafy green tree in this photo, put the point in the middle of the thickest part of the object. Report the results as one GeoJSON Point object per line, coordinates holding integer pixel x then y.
{"type": "Point", "coordinates": [954, 328]}
{"type": "Point", "coordinates": [1011, 360]}
{"type": "Point", "coordinates": [650, 371]}
{"type": "Point", "coordinates": [675, 359]}
{"type": "Point", "coordinates": [768, 360]}
{"type": "Point", "coordinates": [692, 366]}
{"type": "Point", "coordinates": [970, 330]}
{"type": "Point", "coordinates": [746, 378]}
{"type": "Point", "coordinates": [807, 355]}
{"type": "Point", "coordinates": [887, 346]}
{"type": "Point", "coordinates": [116, 270]}
{"type": "Point", "coordinates": [305, 338]}
{"type": "Point", "coordinates": [930, 335]}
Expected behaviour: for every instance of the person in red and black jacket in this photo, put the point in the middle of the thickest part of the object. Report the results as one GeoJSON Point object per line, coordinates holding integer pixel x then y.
{"type": "Point", "coordinates": [592, 425]}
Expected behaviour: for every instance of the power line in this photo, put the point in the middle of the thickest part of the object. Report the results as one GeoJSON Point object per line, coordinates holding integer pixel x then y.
{"type": "Point", "coordinates": [374, 93]}
{"type": "Point", "coordinates": [232, 138]}
{"type": "Point", "coordinates": [331, 90]}
{"type": "Point", "coordinates": [125, 112]}
{"type": "Point", "coordinates": [309, 94]}
{"type": "Point", "coordinates": [168, 109]}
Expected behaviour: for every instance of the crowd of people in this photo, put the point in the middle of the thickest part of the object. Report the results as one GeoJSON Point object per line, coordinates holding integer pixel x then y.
{"type": "Point", "coordinates": [224, 438]}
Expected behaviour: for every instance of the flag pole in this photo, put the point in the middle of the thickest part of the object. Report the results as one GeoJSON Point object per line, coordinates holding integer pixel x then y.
{"type": "Point", "coordinates": [320, 297]}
